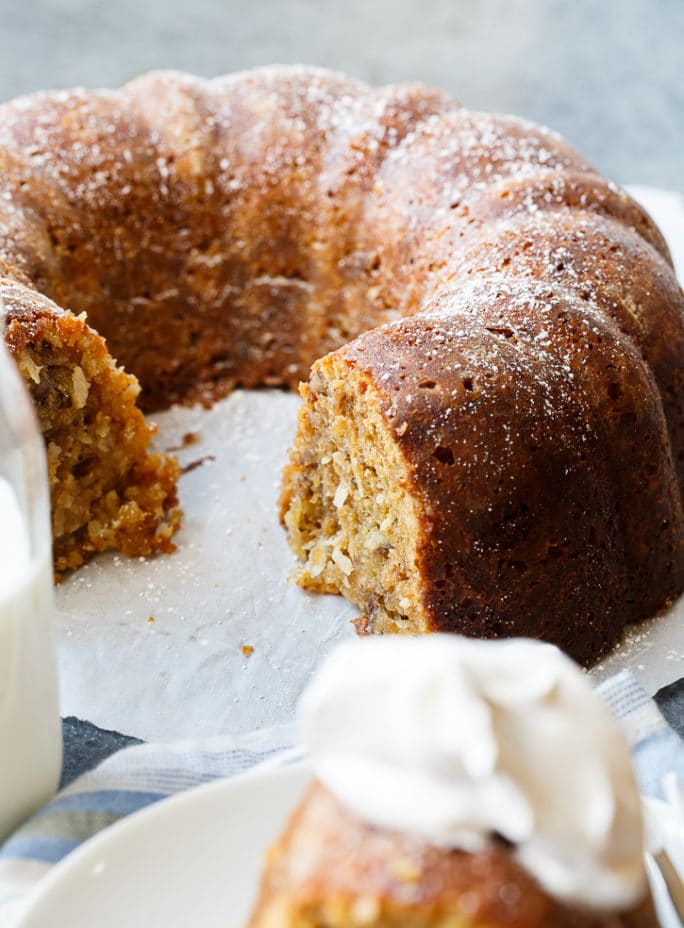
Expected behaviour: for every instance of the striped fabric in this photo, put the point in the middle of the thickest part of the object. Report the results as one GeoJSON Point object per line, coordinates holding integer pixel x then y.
{"type": "Point", "coordinates": [657, 750]}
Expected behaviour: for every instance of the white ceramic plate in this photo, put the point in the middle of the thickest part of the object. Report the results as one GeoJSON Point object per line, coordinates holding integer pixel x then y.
{"type": "Point", "coordinates": [194, 859]}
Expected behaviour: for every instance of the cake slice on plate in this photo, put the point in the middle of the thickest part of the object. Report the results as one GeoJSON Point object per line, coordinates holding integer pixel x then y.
{"type": "Point", "coordinates": [459, 784]}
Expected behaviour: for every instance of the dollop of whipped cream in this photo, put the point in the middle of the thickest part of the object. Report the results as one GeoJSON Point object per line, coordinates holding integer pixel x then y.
{"type": "Point", "coordinates": [456, 741]}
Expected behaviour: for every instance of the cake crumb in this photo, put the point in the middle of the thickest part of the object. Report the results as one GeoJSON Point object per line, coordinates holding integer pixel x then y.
{"type": "Point", "coordinates": [188, 439]}
{"type": "Point", "coordinates": [362, 625]}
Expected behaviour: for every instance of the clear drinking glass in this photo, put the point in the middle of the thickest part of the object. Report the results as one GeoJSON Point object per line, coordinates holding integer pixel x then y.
{"type": "Point", "coordinates": [30, 728]}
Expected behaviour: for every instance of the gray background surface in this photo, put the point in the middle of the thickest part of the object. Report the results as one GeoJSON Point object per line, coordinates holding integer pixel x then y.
{"type": "Point", "coordinates": [608, 75]}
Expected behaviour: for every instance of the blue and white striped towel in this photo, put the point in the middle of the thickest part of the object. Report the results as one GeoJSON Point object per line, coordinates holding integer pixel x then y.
{"type": "Point", "coordinates": [137, 776]}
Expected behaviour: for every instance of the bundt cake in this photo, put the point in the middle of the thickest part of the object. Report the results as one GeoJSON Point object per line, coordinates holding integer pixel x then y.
{"type": "Point", "coordinates": [476, 785]}
{"type": "Point", "coordinates": [500, 450]}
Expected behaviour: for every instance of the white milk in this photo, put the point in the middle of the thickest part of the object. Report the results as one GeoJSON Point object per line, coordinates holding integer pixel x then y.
{"type": "Point", "coordinates": [30, 729]}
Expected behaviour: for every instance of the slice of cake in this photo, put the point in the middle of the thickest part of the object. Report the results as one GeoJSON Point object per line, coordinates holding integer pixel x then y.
{"type": "Point", "coordinates": [459, 784]}
{"type": "Point", "coordinates": [107, 489]}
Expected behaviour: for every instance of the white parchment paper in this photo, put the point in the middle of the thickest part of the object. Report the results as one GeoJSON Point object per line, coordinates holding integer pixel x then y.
{"type": "Point", "coordinates": [162, 648]}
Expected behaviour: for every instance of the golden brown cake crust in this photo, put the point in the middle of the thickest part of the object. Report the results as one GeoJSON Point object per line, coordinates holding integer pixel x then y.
{"type": "Point", "coordinates": [220, 218]}
{"type": "Point", "coordinates": [253, 222]}
{"type": "Point", "coordinates": [330, 870]}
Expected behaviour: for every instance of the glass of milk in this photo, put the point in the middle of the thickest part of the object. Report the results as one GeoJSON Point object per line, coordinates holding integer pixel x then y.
{"type": "Point", "coordinates": [30, 728]}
